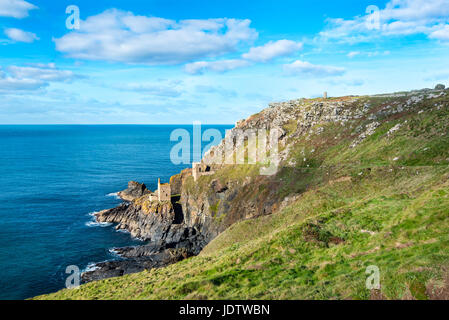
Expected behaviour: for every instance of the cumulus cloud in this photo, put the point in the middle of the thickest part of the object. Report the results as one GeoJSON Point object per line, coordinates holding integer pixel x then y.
{"type": "Point", "coordinates": [32, 77]}
{"type": "Point", "coordinates": [441, 33]}
{"type": "Point", "coordinates": [416, 10]}
{"type": "Point", "coordinates": [216, 66]}
{"type": "Point", "coordinates": [120, 36]}
{"type": "Point", "coordinates": [15, 8]}
{"type": "Point", "coordinates": [265, 53]}
{"type": "Point", "coordinates": [20, 35]}
{"type": "Point", "coordinates": [398, 18]}
{"type": "Point", "coordinates": [307, 68]}
{"type": "Point", "coordinates": [272, 49]}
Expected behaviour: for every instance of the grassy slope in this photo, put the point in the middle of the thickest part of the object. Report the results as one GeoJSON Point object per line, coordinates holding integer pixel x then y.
{"type": "Point", "coordinates": [383, 203]}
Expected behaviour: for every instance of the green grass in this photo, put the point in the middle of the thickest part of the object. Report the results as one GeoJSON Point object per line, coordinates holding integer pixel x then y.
{"type": "Point", "coordinates": [356, 207]}
{"type": "Point", "coordinates": [279, 257]}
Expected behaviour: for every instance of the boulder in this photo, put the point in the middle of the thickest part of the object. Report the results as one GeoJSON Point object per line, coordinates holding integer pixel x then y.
{"type": "Point", "coordinates": [135, 190]}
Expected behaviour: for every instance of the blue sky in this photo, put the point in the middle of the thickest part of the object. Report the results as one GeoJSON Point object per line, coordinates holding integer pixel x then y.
{"type": "Point", "coordinates": [167, 62]}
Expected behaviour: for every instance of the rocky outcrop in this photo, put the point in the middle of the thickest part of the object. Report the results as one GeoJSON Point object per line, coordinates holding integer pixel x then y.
{"type": "Point", "coordinates": [135, 190]}
{"type": "Point", "coordinates": [154, 222]}
{"type": "Point", "coordinates": [157, 223]}
{"type": "Point", "coordinates": [112, 269]}
{"type": "Point", "coordinates": [200, 210]}
{"type": "Point", "coordinates": [146, 221]}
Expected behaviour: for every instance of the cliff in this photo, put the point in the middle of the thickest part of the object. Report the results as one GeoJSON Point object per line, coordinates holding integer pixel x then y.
{"type": "Point", "coordinates": [310, 130]}
{"type": "Point", "coordinates": [358, 181]}
{"type": "Point", "coordinates": [160, 224]}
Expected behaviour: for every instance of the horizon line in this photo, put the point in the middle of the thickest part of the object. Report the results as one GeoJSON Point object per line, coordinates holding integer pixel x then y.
{"type": "Point", "coordinates": [113, 124]}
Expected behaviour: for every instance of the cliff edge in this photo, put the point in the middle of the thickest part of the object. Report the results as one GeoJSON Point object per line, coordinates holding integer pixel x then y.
{"type": "Point", "coordinates": [357, 181]}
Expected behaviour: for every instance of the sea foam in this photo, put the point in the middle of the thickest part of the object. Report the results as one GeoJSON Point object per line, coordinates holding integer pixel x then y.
{"type": "Point", "coordinates": [91, 267]}
{"type": "Point", "coordinates": [114, 195]}
{"type": "Point", "coordinates": [92, 224]}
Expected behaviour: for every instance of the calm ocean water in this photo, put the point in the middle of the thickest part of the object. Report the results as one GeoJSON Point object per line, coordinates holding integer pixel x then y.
{"type": "Point", "coordinates": [51, 178]}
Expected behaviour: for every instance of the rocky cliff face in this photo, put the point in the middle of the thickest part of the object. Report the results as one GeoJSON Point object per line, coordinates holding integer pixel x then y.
{"type": "Point", "coordinates": [238, 192]}
{"type": "Point", "coordinates": [203, 209]}
{"type": "Point", "coordinates": [155, 223]}
{"type": "Point", "coordinates": [160, 224]}
{"type": "Point", "coordinates": [148, 222]}
{"type": "Point", "coordinates": [215, 204]}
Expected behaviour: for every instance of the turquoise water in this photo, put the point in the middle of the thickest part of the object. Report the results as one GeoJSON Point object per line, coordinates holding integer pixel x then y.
{"type": "Point", "coordinates": [51, 178]}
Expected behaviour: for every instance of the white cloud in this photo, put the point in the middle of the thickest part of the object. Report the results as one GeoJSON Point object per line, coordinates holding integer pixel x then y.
{"type": "Point", "coordinates": [272, 49]}
{"type": "Point", "coordinates": [441, 34]}
{"type": "Point", "coordinates": [352, 54]}
{"type": "Point", "coordinates": [413, 10]}
{"type": "Point", "coordinates": [304, 67]}
{"type": "Point", "coordinates": [42, 72]}
{"type": "Point", "coordinates": [15, 8]}
{"type": "Point", "coordinates": [142, 24]}
{"type": "Point", "coordinates": [32, 77]}
{"type": "Point", "coordinates": [8, 83]}
{"type": "Point", "coordinates": [120, 36]}
{"type": "Point", "coordinates": [216, 66]}
{"type": "Point", "coordinates": [20, 35]}
{"type": "Point", "coordinates": [398, 18]}
{"type": "Point", "coordinates": [265, 53]}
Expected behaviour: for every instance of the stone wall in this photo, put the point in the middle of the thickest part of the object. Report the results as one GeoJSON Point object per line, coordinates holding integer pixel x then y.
{"type": "Point", "coordinates": [164, 191]}
{"type": "Point", "coordinates": [200, 169]}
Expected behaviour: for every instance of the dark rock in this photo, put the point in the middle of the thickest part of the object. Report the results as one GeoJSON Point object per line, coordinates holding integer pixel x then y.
{"type": "Point", "coordinates": [112, 269]}
{"type": "Point", "coordinates": [440, 87]}
{"type": "Point", "coordinates": [148, 221]}
{"type": "Point", "coordinates": [169, 240]}
{"type": "Point", "coordinates": [135, 190]}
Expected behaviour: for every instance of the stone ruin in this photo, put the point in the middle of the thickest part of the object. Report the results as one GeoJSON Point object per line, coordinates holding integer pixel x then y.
{"type": "Point", "coordinates": [163, 192]}
{"type": "Point", "coordinates": [200, 169]}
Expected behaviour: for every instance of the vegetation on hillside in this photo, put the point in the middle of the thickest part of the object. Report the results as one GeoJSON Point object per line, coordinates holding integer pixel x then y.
{"type": "Point", "coordinates": [381, 202]}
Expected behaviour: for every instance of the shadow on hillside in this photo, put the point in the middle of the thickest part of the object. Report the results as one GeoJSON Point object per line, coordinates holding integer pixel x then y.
{"type": "Point", "coordinates": [179, 216]}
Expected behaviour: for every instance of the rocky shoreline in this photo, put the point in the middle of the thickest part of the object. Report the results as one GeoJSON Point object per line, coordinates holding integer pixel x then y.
{"type": "Point", "coordinates": [168, 239]}
{"type": "Point", "coordinates": [205, 206]}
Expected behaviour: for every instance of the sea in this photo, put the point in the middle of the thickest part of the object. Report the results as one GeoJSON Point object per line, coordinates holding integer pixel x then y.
{"type": "Point", "coordinates": [53, 178]}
